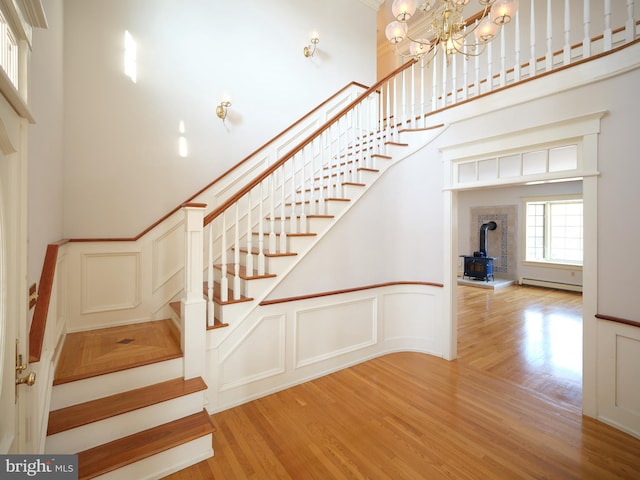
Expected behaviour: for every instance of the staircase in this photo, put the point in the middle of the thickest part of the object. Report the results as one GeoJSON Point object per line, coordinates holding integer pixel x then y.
{"type": "Point", "coordinates": [120, 402]}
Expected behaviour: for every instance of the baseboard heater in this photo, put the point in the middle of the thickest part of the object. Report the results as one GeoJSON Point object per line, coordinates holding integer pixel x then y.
{"type": "Point", "coordinates": [548, 284]}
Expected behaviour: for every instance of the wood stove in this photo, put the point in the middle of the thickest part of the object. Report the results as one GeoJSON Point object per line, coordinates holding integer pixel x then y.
{"type": "Point", "coordinates": [479, 266]}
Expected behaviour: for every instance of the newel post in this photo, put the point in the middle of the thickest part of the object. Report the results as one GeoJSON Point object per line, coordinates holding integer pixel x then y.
{"type": "Point", "coordinates": [193, 305]}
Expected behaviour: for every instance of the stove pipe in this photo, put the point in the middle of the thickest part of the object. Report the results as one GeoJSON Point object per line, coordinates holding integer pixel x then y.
{"type": "Point", "coordinates": [483, 238]}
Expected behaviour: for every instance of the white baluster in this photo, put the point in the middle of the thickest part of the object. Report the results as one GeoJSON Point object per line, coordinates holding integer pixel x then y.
{"type": "Point", "coordinates": [395, 108]}
{"type": "Point", "coordinates": [517, 67]}
{"type": "Point", "coordinates": [303, 216]}
{"type": "Point", "coordinates": [249, 256]}
{"type": "Point", "coordinates": [272, 214]}
{"type": "Point", "coordinates": [549, 55]}
{"type": "Point", "coordinates": [423, 112]}
{"type": "Point", "coordinates": [413, 94]}
{"type": "Point", "coordinates": [352, 169]}
{"type": "Point", "coordinates": [478, 90]}
{"type": "Point", "coordinates": [630, 25]}
{"type": "Point", "coordinates": [503, 58]}
{"type": "Point", "coordinates": [566, 50]}
{"type": "Point", "coordinates": [454, 79]}
{"type": "Point", "coordinates": [283, 214]}
{"type": "Point", "coordinates": [236, 254]}
{"type": "Point", "coordinates": [586, 20]}
{"type": "Point", "coordinates": [434, 86]}
{"type": "Point", "coordinates": [389, 119]}
{"type": "Point", "coordinates": [489, 67]}
{"type": "Point", "coordinates": [533, 62]}
{"type": "Point", "coordinates": [224, 282]}
{"type": "Point", "coordinates": [261, 258]}
{"type": "Point", "coordinates": [293, 222]}
{"type": "Point", "coordinates": [443, 93]}
{"type": "Point", "coordinates": [608, 34]}
{"type": "Point", "coordinates": [403, 92]}
{"type": "Point", "coordinates": [465, 79]}
{"type": "Point", "coordinates": [210, 280]}
{"type": "Point", "coordinates": [320, 206]}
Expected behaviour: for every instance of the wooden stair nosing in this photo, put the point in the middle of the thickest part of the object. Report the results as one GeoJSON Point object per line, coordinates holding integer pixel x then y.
{"type": "Point", "coordinates": [385, 157]}
{"type": "Point", "coordinates": [85, 413]}
{"type": "Point", "coordinates": [141, 363]}
{"type": "Point", "coordinates": [311, 215]}
{"type": "Point", "coordinates": [255, 251]}
{"type": "Point", "coordinates": [217, 295]}
{"type": "Point", "coordinates": [216, 323]}
{"type": "Point", "coordinates": [125, 451]}
{"type": "Point", "coordinates": [243, 272]}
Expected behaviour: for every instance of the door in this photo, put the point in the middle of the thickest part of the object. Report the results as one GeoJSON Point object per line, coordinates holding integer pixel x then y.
{"type": "Point", "coordinates": [8, 405]}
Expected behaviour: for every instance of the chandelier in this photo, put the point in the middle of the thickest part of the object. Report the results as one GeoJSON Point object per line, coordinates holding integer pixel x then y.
{"type": "Point", "coordinates": [445, 27]}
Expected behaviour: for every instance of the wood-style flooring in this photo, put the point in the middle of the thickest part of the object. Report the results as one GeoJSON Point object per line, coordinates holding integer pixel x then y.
{"type": "Point", "coordinates": [507, 408]}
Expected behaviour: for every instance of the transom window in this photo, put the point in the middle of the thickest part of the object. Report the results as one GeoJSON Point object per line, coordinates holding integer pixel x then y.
{"type": "Point", "coordinates": [554, 231]}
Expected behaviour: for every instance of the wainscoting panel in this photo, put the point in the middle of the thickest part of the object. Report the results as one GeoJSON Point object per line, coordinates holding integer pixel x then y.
{"type": "Point", "coordinates": [284, 344]}
{"type": "Point", "coordinates": [409, 315]}
{"type": "Point", "coordinates": [618, 386]}
{"type": "Point", "coordinates": [110, 281]}
{"type": "Point", "coordinates": [166, 262]}
{"type": "Point", "coordinates": [258, 355]}
{"type": "Point", "coordinates": [326, 332]}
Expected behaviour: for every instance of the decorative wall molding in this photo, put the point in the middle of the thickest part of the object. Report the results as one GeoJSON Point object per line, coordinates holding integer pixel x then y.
{"type": "Point", "coordinates": [110, 281]}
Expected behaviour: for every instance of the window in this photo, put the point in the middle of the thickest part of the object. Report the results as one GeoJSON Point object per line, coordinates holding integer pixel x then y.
{"type": "Point", "coordinates": [553, 231]}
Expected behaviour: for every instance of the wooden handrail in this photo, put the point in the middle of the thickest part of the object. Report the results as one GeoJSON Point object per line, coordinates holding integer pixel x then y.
{"type": "Point", "coordinates": [348, 290]}
{"type": "Point", "coordinates": [256, 181]}
{"type": "Point", "coordinates": [633, 323]}
{"type": "Point", "coordinates": [41, 312]}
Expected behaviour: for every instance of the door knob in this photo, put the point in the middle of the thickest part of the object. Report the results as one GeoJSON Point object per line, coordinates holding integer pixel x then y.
{"type": "Point", "coordinates": [30, 379]}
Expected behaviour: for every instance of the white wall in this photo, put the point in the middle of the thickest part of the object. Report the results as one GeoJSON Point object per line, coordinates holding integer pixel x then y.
{"type": "Point", "coordinates": [121, 138]}
{"type": "Point", "coordinates": [394, 233]}
{"type": "Point", "coordinates": [45, 188]}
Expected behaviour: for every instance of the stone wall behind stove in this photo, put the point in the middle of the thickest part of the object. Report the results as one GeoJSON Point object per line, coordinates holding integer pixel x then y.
{"type": "Point", "coordinates": [501, 242]}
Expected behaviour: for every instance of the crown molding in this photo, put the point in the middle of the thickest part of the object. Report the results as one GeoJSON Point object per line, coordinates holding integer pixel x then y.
{"type": "Point", "coordinates": [374, 4]}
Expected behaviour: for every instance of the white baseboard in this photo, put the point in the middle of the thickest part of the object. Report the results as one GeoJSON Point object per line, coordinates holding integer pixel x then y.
{"type": "Point", "coordinates": [548, 284]}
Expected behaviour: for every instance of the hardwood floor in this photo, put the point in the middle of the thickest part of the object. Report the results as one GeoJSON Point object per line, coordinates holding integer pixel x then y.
{"type": "Point", "coordinates": [508, 408]}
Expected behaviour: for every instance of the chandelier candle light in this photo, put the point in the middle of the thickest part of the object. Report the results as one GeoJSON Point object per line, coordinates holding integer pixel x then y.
{"type": "Point", "coordinates": [445, 25]}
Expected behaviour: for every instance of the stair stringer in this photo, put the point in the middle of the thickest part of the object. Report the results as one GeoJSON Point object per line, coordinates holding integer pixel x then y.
{"type": "Point", "coordinates": [236, 312]}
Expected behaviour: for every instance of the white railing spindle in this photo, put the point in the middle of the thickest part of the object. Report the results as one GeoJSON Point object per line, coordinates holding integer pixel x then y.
{"type": "Point", "coordinates": [516, 67]}
{"type": "Point", "coordinates": [533, 61]}
{"type": "Point", "coordinates": [249, 255]}
{"type": "Point", "coordinates": [273, 247]}
{"type": "Point", "coordinates": [302, 228]}
{"type": "Point", "coordinates": [293, 224]}
{"type": "Point", "coordinates": [261, 257]}
{"type": "Point", "coordinates": [608, 34]}
{"type": "Point", "coordinates": [236, 254]}
{"type": "Point", "coordinates": [630, 25]}
{"type": "Point", "coordinates": [210, 280]}
{"type": "Point", "coordinates": [566, 50]}
{"type": "Point", "coordinates": [586, 21]}
{"type": "Point", "coordinates": [224, 282]}
{"type": "Point", "coordinates": [549, 54]}
{"type": "Point", "coordinates": [283, 213]}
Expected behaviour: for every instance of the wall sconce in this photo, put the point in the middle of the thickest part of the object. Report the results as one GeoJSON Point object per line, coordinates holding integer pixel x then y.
{"type": "Point", "coordinates": [310, 49]}
{"type": "Point", "coordinates": [221, 110]}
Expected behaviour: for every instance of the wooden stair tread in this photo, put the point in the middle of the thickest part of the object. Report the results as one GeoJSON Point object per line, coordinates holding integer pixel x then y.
{"type": "Point", "coordinates": [243, 272]}
{"type": "Point", "coordinates": [119, 453]}
{"type": "Point", "coordinates": [397, 144]}
{"type": "Point", "coordinates": [216, 323]}
{"type": "Point", "coordinates": [217, 295]}
{"type": "Point", "coordinates": [108, 350]}
{"type": "Point", "coordinates": [255, 251]}
{"type": "Point", "coordinates": [107, 407]}
{"type": "Point", "coordinates": [379, 155]}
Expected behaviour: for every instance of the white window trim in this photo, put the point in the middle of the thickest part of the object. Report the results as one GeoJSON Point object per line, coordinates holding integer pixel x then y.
{"type": "Point", "coordinates": [548, 198]}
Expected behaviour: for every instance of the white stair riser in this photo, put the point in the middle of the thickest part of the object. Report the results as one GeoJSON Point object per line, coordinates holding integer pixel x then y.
{"type": "Point", "coordinates": [165, 463]}
{"type": "Point", "coordinates": [113, 428]}
{"type": "Point", "coordinates": [335, 207]}
{"type": "Point", "coordinates": [81, 391]}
